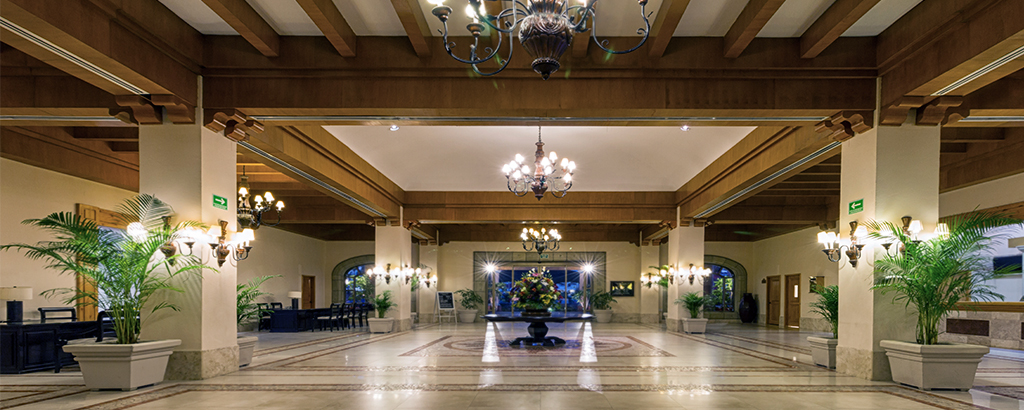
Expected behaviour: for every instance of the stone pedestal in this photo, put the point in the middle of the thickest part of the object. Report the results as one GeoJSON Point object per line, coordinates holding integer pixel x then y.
{"type": "Point", "coordinates": [895, 171]}
{"type": "Point", "coordinates": [186, 166]}
{"type": "Point", "coordinates": [393, 244]}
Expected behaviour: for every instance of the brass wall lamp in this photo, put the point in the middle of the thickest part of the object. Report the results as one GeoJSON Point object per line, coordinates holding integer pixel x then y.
{"type": "Point", "coordinates": [238, 249]}
{"type": "Point", "coordinates": [833, 248]}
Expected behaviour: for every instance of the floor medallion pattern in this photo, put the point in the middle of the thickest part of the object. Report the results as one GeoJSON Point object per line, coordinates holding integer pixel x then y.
{"type": "Point", "coordinates": [604, 346]}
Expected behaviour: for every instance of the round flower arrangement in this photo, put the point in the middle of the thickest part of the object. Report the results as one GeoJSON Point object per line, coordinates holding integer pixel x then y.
{"type": "Point", "coordinates": [535, 292]}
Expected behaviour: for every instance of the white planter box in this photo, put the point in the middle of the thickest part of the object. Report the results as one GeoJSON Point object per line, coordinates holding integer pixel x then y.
{"type": "Point", "coordinates": [246, 345]}
{"type": "Point", "coordinates": [823, 351]}
{"type": "Point", "coordinates": [694, 325]}
{"type": "Point", "coordinates": [381, 325]}
{"type": "Point", "coordinates": [126, 367]}
{"type": "Point", "coordinates": [927, 367]}
{"type": "Point", "coordinates": [467, 316]}
{"type": "Point", "coordinates": [603, 315]}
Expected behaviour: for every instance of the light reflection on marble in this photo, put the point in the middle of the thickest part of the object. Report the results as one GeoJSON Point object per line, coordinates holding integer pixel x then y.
{"type": "Point", "coordinates": [490, 345]}
{"type": "Point", "coordinates": [588, 354]}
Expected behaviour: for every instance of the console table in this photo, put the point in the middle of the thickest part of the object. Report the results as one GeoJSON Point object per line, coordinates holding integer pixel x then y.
{"type": "Point", "coordinates": [538, 328]}
{"type": "Point", "coordinates": [32, 346]}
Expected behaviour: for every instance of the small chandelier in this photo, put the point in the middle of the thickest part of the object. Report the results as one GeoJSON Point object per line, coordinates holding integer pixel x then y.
{"type": "Point", "coordinates": [546, 29]}
{"type": "Point", "coordinates": [251, 217]}
{"type": "Point", "coordinates": [544, 176]}
{"type": "Point", "coordinates": [542, 240]}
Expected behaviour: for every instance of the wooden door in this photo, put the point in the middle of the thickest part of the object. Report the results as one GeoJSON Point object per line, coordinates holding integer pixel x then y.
{"type": "Point", "coordinates": [774, 303]}
{"type": "Point", "coordinates": [87, 309]}
{"type": "Point", "coordinates": [308, 292]}
{"type": "Point", "coordinates": [792, 301]}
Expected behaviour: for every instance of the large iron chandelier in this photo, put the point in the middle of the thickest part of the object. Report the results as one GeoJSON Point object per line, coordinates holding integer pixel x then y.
{"type": "Point", "coordinates": [547, 173]}
{"type": "Point", "coordinates": [251, 216]}
{"type": "Point", "coordinates": [540, 241]}
{"type": "Point", "coordinates": [546, 29]}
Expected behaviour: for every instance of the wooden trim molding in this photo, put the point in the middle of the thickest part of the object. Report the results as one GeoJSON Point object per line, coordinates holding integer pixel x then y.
{"type": "Point", "coordinates": [1012, 307]}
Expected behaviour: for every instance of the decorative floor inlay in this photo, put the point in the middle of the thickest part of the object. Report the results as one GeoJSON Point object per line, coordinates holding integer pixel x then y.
{"type": "Point", "coordinates": [291, 346]}
{"type": "Point", "coordinates": [155, 396]}
{"type": "Point", "coordinates": [606, 346]}
{"type": "Point", "coordinates": [20, 395]}
{"type": "Point", "coordinates": [1016, 392]}
{"type": "Point", "coordinates": [323, 352]}
{"type": "Point", "coordinates": [752, 353]}
{"type": "Point", "coordinates": [550, 369]}
{"type": "Point", "coordinates": [783, 346]}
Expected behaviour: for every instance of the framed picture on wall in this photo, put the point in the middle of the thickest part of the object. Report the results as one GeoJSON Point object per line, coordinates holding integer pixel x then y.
{"type": "Point", "coordinates": [621, 288]}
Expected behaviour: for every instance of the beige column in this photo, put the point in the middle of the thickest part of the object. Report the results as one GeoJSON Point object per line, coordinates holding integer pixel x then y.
{"type": "Point", "coordinates": [393, 244]}
{"type": "Point", "coordinates": [428, 256]}
{"type": "Point", "coordinates": [895, 171]}
{"type": "Point", "coordinates": [186, 166]}
{"type": "Point", "coordinates": [685, 246]}
{"type": "Point", "coordinates": [649, 297]}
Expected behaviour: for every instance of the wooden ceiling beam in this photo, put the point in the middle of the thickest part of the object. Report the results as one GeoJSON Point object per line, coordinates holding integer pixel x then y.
{"type": "Point", "coordinates": [106, 134]}
{"type": "Point", "coordinates": [90, 33]}
{"type": "Point", "coordinates": [54, 148]}
{"type": "Point", "coordinates": [838, 18]}
{"type": "Point", "coordinates": [977, 163]}
{"type": "Point", "coordinates": [973, 135]}
{"type": "Point", "coordinates": [664, 26]}
{"type": "Point", "coordinates": [332, 24]}
{"type": "Point", "coordinates": [416, 28]}
{"type": "Point", "coordinates": [249, 24]}
{"type": "Point", "coordinates": [750, 22]}
{"type": "Point", "coordinates": [620, 207]}
{"type": "Point", "coordinates": [742, 214]}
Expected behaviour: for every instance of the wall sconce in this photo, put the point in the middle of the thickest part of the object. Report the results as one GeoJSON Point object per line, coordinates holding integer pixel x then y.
{"type": "Point", "coordinates": [237, 248]}
{"type": "Point", "coordinates": [698, 271]}
{"type": "Point", "coordinates": [648, 279]}
{"type": "Point", "coordinates": [832, 246]}
{"type": "Point", "coordinates": [425, 278]}
{"type": "Point", "coordinates": [384, 273]}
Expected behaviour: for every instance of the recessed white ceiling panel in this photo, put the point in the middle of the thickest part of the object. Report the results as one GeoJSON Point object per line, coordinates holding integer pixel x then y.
{"type": "Point", "coordinates": [286, 17]}
{"type": "Point", "coordinates": [200, 17]}
{"type": "Point", "coordinates": [709, 18]}
{"type": "Point", "coordinates": [371, 17]}
{"type": "Point", "coordinates": [450, 158]}
{"type": "Point", "coordinates": [880, 17]}
{"type": "Point", "coordinates": [794, 17]}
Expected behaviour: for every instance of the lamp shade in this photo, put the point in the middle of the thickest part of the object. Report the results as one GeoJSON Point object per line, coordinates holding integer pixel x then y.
{"type": "Point", "coordinates": [295, 294]}
{"type": "Point", "coordinates": [16, 293]}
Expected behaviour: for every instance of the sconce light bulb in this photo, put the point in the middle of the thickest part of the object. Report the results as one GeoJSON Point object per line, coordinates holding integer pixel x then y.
{"type": "Point", "coordinates": [915, 227]}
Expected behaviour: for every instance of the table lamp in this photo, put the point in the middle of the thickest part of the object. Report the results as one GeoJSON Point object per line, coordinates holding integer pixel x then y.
{"type": "Point", "coordinates": [14, 295]}
{"type": "Point", "coordinates": [295, 295]}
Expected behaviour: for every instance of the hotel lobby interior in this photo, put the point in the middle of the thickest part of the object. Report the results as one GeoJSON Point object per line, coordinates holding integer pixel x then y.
{"type": "Point", "coordinates": [495, 204]}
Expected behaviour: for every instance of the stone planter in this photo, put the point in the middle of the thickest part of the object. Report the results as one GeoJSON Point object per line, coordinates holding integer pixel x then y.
{"type": "Point", "coordinates": [927, 367]}
{"type": "Point", "coordinates": [381, 325]}
{"type": "Point", "coordinates": [246, 345]}
{"type": "Point", "coordinates": [467, 316]}
{"type": "Point", "coordinates": [126, 367]}
{"type": "Point", "coordinates": [694, 325]}
{"type": "Point", "coordinates": [603, 315]}
{"type": "Point", "coordinates": [823, 351]}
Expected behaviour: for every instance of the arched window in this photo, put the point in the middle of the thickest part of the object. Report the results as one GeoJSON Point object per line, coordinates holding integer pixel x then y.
{"type": "Point", "coordinates": [721, 287]}
{"type": "Point", "coordinates": [358, 285]}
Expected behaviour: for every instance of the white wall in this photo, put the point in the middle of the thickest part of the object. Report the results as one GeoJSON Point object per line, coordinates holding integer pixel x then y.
{"type": "Point", "coordinates": [455, 266]}
{"type": "Point", "coordinates": [31, 192]}
{"type": "Point", "coordinates": [278, 252]}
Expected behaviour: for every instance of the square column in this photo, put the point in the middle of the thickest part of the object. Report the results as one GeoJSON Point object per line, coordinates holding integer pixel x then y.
{"type": "Point", "coordinates": [186, 166]}
{"type": "Point", "coordinates": [895, 171]}
{"type": "Point", "coordinates": [650, 298]}
{"type": "Point", "coordinates": [393, 244]}
{"type": "Point", "coordinates": [685, 246]}
{"type": "Point", "coordinates": [427, 296]}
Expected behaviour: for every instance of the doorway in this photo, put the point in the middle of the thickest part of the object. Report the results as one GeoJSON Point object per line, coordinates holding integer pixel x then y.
{"type": "Point", "coordinates": [308, 292]}
{"type": "Point", "coordinates": [774, 304]}
{"type": "Point", "coordinates": [793, 301]}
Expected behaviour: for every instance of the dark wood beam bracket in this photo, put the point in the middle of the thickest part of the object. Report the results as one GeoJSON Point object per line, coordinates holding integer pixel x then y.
{"type": "Point", "coordinates": [234, 124]}
{"type": "Point", "coordinates": [846, 124]}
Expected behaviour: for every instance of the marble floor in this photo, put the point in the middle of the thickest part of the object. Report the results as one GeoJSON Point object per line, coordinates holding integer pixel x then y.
{"type": "Point", "coordinates": [471, 366]}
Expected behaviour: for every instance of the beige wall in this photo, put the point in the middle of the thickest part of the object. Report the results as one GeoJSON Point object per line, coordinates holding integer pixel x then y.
{"type": "Point", "coordinates": [337, 252]}
{"type": "Point", "coordinates": [31, 192]}
{"type": "Point", "coordinates": [455, 266]}
{"type": "Point", "coordinates": [277, 252]}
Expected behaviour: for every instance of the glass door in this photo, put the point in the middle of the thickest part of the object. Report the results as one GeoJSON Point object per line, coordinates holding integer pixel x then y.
{"type": "Point", "coordinates": [566, 278]}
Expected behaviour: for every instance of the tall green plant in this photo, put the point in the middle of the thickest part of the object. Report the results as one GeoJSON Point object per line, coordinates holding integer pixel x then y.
{"type": "Point", "coordinates": [601, 300]}
{"type": "Point", "coordinates": [934, 275]}
{"type": "Point", "coordinates": [827, 306]}
{"type": "Point", "coordinates": [126, 268]}
{"type": "Point", "coordinates": [693, 302]}
{"type": "Point", "coordinates": [247, 293]}
{"type": "Point", "coordinates": [469, 299]}
{"type": "Point", "coordinates": [382, 303]}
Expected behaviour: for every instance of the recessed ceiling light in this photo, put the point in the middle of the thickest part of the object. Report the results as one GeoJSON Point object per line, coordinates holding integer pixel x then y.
{"type": "Point", "coordinates": [394, 127]}
{"type": "Point", "coordinates": [685, 128]}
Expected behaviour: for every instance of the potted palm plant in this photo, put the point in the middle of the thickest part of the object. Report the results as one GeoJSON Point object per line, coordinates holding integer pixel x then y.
{"type": "Point", "coordinates": [694, 303]}
{"type": "Point", "coordinates": [470, 302]}
{"type": "Point", "coordinates": [823, 350]}
{"type": "Point", "coordinates": [933, 276]}
{"type": "Point", "coordinates": [127, 269]}
{"type": "Point", "coordinates": [382, 303]}
{"type": "Point", "coordinates": [248, 311]}
{"type": "Point", "coordinates": [601, 303]}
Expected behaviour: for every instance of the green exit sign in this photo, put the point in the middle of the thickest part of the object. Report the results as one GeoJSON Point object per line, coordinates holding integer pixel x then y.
{"type": "Point", "coordinates": [220, 202]}
{"type": "Point", "coordinates": [856, 206]}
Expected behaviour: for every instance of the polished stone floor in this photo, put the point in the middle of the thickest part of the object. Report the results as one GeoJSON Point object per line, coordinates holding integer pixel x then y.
{"type": "Point", "coordinates": [603, 366]}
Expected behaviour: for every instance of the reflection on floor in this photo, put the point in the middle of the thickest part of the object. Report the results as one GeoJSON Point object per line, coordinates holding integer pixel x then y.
{"type": "Point", "coordinates": [606, 366]}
